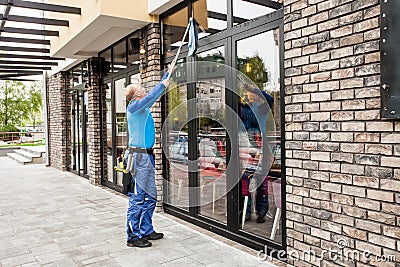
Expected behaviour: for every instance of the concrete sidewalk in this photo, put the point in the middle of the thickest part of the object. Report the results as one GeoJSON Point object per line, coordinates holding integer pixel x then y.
{"type": "Point", "coordinates": [53, 218]}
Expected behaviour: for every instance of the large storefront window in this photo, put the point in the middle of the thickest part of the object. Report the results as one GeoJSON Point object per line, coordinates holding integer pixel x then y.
{"type": "Point", "coordinates": [227, 157]}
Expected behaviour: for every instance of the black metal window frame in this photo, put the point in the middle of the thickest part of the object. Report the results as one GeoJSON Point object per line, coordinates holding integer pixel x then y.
{"type": "Point", "coordinates": [390, 54]}
{"type": "Point", "coordinates": [228, 38]}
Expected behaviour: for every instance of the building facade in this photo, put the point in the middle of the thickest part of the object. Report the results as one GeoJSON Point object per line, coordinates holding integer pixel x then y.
{"type": "Point", "coordinates": [333, 179]}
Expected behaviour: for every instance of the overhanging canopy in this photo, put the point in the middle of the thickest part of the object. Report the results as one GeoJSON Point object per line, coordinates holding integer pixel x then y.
{"type": "Point", "coordinates": [24, 43]}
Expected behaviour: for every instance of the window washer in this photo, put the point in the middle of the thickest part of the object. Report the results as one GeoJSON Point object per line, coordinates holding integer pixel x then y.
{"type": "Point", "coordinates": [143, 198]}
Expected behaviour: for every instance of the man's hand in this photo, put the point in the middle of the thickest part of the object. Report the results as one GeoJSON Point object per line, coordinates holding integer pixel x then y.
{"type": "Point", "coordinates": [172, 65]}
{"type": "Point", "coordinates": [166, 83]}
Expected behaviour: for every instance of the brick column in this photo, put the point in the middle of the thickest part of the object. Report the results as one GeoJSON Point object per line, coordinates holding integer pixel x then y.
{"type": "Point", "coordinates": [58, 108]}
{"type": "Point", "coordinates": [343, 160]}
{"type": "Point", "coordinates": [151, 76]}
{"type": "Point", "coordinates": [94, 130]}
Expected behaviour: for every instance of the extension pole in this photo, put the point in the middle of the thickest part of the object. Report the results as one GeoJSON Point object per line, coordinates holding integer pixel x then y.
{"type": "Point", "coordinates": [177, 53]}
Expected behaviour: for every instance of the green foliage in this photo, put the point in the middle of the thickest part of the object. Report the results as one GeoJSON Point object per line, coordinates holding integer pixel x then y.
{"type": "Point", "coordinates": [8, 128]}
{"type": "Point", "coordinates": [178, 113]}
{"type": "Point", "coordinates": [254, 68]}
{"type": "Point", "coordinates": [19, 102]}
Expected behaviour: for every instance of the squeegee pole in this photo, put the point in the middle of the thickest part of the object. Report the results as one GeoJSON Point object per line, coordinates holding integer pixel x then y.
{"type": "Point", "coordinates": [177, 53]}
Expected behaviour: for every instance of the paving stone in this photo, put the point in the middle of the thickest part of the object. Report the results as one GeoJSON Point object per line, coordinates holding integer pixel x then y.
{"type": "Point", "coordinates": [68, 222]}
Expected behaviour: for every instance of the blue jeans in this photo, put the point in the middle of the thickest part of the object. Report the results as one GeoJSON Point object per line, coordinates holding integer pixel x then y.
{"type": "Point", "coordinates": [262, 204]}
{"type": "Point", "coordinates": [142, 199]}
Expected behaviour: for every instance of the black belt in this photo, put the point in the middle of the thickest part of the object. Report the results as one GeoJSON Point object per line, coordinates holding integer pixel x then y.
{"type": "Point", "coordinates": [149, 151]}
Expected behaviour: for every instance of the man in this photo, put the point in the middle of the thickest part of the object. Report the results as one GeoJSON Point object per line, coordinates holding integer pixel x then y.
{"type": "Point", "coordinates": [253, 112]}
{"type": "Point", "coordinates": [143, 198]}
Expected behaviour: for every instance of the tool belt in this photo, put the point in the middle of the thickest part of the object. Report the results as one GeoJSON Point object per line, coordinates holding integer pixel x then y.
{"type": "Point", "coordinates": [149, 151]}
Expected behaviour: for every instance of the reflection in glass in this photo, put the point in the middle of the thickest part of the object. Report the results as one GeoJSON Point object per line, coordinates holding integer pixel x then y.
{"type": "Point", "coordinates": [120, 122]}
{"type": "Point", "coordinates": [177, 139]}
{"type": "Point", "coordinates": [247, 10]}
{"type": "Point", "coordinates": [259, 146]}
{"type": "Point", "coordinates": [210, 95]}
{"type": "Point", "coordinates": [119, 56]}
{"type": "Point", "coordinates": [109, 143]}
{"type": "Point", "coordinates": [210, 15]}
{"type": "Point", "coordinates": [134, 49]}
{"type": "Point", "coordinates": [107, 59]}
{"type": "Point", "coordinates": [76, 76]}
{"type": "Point", "coordinates": [174, 29]}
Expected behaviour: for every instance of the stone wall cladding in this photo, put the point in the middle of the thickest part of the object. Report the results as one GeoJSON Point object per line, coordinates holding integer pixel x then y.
{"type": "Point", "coordinates": [94, 131]}
{"type": "Point", "coordinates": [150, 77]}
{"type": "Point", "coordinates": [343, 160]}
{"type": "Point", "coordinates": [58, 105]}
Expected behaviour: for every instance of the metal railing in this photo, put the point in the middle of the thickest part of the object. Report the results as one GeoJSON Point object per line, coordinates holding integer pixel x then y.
{"type": "Point", "coordinates": [22, 137]}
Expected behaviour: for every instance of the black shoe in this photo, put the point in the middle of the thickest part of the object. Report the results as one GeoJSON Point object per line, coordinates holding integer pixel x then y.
{"type": "Point", "coordinates": [260, 219]}
{"type": "Point", "coordinates": [247, 217]}
{"type": "Point", "coordinates": [153, 236]}
{"type": "Point", "coordinates": [140, 243]}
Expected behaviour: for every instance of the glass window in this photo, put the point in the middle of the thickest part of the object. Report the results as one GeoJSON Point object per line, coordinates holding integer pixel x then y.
{"type": "Point", "coordinates": [211, 133]}
{"type": "Point", "coordinates": [177, 139]}
{"type": "Point", "coordinates": [107, 59]}
{"type": "Point", "coordinates": [120, 121]}
{"type": "Point", "coordinates": [259, 135]}
{"type": "Point", "coordinates": [174, 29]}
{"type": "Point", "coordinates": [85, 72]}
{"type": "Point", "coordinates": [109, 133]}
{"type": "Point", "coordinates": [76, 76]}
{"type": "Point", "coordinates": [119, 56]}
{"type": "Point", "coordinates": [211, 16]}
{"type": "Point", "coordinates": [246, 10]}
{"type": "Point", "coordinates": [134, 49]}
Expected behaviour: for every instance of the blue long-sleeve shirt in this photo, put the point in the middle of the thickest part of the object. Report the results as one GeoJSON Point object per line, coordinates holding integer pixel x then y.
{"type": "Point", "coordinates": [140, 120]}
{"type": "Point", "coordinates": [254, 115]}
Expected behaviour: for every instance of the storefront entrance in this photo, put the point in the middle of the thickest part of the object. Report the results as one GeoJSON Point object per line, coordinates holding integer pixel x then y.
{"type": "Point", "coordinates": [212, 159]}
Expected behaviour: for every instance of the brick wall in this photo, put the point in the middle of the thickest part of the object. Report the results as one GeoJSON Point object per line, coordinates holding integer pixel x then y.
{"type": "Point", "coordinates": [343, 160]}
{"type": "Point", "coordinates": [58, 105]}
{"type": "Point", "coordinates": [150, 77]}
{"type": "Point", "coordinates": [94, 131]}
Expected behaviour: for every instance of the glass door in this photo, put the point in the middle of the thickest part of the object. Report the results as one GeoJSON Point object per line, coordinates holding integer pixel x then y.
{"type": "Point", "coordinates": [116, 138]}
{"type": "Point", "coordinates": [78, 123]}
{"type": "Point", "coordinates": [117, 135]}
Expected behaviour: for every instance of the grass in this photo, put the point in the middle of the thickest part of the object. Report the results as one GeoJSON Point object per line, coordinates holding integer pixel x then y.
{"type": "Point", "coordinates": [24, 144]}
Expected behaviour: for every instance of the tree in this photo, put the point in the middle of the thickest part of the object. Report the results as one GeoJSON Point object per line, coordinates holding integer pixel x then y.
{"type": "Point", "coordinates": [19, 102]}
{"type": "Point", "coordinates": [177, 110]}
{"type": "Point", "coordinates": [254, 68]}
